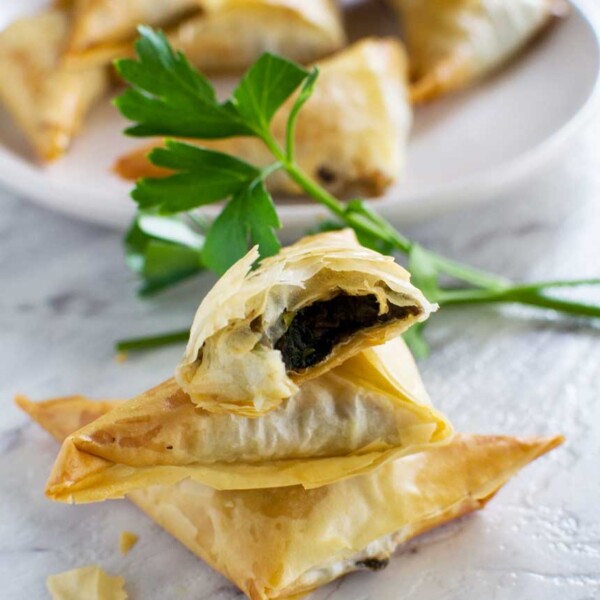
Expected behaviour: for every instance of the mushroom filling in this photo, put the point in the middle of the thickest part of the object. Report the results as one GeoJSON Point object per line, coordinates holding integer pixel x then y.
{"type": "Point", "coordinates": [316, 329]}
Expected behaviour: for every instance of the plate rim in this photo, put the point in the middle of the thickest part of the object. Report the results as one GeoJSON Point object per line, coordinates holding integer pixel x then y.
{"type": "Point", "coordinates": [15, 173]}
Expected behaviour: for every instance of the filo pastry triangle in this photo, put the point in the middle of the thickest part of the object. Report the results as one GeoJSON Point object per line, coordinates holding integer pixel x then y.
{"type": "Point", "coordinates": [101, 25]}
{"type": "Point", "coordinates": [365, 412]}
{"type": "Point", "coordinates": [216, 35]}
{"type": "Point", "coordinates": [284, 543]}
{"type": "Point", "coordinates": [48, 101]}
{"type": "Point", "coordinates": [453, 42]}
{"type": "Point", "coordinates": [258, 334]}
{"type": "Point", "coordinates": [351, 135]}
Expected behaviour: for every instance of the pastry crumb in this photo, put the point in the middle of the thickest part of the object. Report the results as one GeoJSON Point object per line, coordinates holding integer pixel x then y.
{"type": "Point", "coordinates": [127, 541]}
{"type": "Point", "coordinates": [90, 582]}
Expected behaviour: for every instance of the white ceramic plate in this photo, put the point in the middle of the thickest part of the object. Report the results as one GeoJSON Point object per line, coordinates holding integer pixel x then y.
{"type": "Point", "coordinates": [464, 148]}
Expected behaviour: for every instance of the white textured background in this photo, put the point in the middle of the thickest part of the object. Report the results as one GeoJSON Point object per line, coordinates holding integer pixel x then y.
{"type": "Point", "coordinates": [66, 296]}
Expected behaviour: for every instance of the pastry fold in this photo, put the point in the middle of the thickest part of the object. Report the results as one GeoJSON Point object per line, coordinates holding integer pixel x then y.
{"type": "Point", "coordinates": [48, 101]}
{"type": "Point", "coordinates": [368, 411]}
{"type": "Point", "coordinates": [101, 24]}
{"type": "Point", "coordinates": [351, 135]}
{"type": "Point", "coordinates": [216, 35]}
{"type": "Point", "coordinates": [453, 42]}
{"type": "Point", "coordinates": [284, 543]}
{"type": "Point", "coordinates": [260, 333]}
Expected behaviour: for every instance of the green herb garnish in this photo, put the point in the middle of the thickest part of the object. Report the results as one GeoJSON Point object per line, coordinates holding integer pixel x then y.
{"type": "Point", "coordinates": [168, 242]}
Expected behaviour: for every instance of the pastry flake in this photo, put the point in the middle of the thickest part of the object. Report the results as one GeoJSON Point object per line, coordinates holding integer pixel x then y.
{"type": "Point", "coordinates": [127, 541]}
{"type": "Point", "coordinates": [91, 583]}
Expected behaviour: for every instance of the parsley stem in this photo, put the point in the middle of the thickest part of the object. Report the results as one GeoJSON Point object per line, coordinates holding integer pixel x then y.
{"type": "Point", "coordinates": [468, 274]}
{"type": "Point", "coordinates": [518, 295]}
{"type": "Point", "coordinates": [545, 285]}
{"type": "Point", "coordinates": [452, 268]}
{"type": "Point", "coordinates": [371, 223]}
{"type": "Point", "coordinates": [304, 96]}
{"type": "Point", "coordinates": [578, 309]}
{"type": "Point", "coordinates": [306, 183]}
{"type": "Point", "coordinates": [268, 170]}
{"type": "Point", "coordinates": [156, 341]}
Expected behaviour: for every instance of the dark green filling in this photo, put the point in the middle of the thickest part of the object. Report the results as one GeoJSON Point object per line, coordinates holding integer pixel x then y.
{"type": "Point", "coordinates": [374, 564]}
{"type": "Point", "coordinates": [316, 329]}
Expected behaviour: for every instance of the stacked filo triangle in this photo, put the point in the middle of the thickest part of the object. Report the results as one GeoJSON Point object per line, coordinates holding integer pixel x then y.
{"type": "Point", "coordinates": [296, 442]}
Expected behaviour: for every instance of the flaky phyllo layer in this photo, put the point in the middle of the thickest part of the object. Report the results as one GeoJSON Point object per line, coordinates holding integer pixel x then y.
{"type": "Point", "coordinates": [259, 334]}
{"type": "Point", "coordinates": [369, 410]}
{"type": "Point", "coordinates": [285, 542]}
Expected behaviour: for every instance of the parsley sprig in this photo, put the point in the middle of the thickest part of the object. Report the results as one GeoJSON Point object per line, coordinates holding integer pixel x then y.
{"type": "Point", "coordinates": [169, 242]}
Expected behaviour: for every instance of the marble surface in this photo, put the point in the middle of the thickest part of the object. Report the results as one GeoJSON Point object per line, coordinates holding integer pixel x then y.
{"type": "Point", "coordinates": [66, 296]}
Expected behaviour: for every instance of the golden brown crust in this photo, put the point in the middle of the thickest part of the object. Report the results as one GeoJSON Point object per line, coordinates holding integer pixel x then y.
{"type": "Point", "coordinates": [62, 416]}
{"type": "Point", "coordinates": [304, 531]}
{"type": "Point", "coordinates": [371, 410]}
